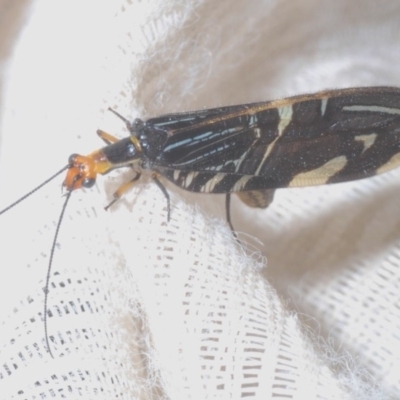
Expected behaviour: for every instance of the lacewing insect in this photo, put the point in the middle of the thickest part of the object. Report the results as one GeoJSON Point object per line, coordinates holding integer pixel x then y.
{"type": "Point", "coordinates": [251, 150]}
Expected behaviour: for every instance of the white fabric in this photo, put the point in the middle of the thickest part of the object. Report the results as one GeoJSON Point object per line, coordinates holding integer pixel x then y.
{"type": "Point", "coordinates": [142, 308]}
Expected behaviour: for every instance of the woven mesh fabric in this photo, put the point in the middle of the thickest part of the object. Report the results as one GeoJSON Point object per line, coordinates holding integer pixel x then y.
{"type": "Point", "coordinates": [143, 308]}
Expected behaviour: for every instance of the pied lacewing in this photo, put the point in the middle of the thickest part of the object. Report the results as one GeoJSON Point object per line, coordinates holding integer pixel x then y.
{"type": "Point", "coordinates": [327, 137]}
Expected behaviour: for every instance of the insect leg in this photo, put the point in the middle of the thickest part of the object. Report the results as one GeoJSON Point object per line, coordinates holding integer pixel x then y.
{"type": "Point", "coordinates": [123, 189]}
{"type": "Point", "coordinates": [128, 123]}
{"type": "Point", "coordinates": [228, 214]}
{"type": "Point", "coordinates": [109, 139]}
{"type": "Point", "coordinates": [165, 192]}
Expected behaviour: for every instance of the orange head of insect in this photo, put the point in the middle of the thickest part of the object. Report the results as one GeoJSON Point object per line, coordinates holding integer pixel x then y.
{"type": "Point", "coordinates": [81, 172]}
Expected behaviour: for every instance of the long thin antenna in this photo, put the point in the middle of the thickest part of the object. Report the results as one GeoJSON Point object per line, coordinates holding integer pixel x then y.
{"type": "Point", "coordinates": [34, 190]}
{"type": "Point", "coordinates": [46, 288]}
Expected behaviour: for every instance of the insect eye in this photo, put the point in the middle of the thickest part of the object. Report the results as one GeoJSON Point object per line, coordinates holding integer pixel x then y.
{"type": "Point", "coordinates": [88, 183]}
{"type": "Point", "coordinates": [71, 159]}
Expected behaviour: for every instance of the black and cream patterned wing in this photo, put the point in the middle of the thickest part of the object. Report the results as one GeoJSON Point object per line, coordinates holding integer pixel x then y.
{"type": "Point", "coordinates": [199, 158]}
{"type": "Point", "coordinates": [180, 121]}
{"type": "Point", "coordinates": [332, 136]}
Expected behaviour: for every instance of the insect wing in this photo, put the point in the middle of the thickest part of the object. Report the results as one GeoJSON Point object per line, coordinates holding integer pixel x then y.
{"type": "Point", "coordinates": [213, 149]}
{"type": "Point", "coordinates": [332, 136]}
